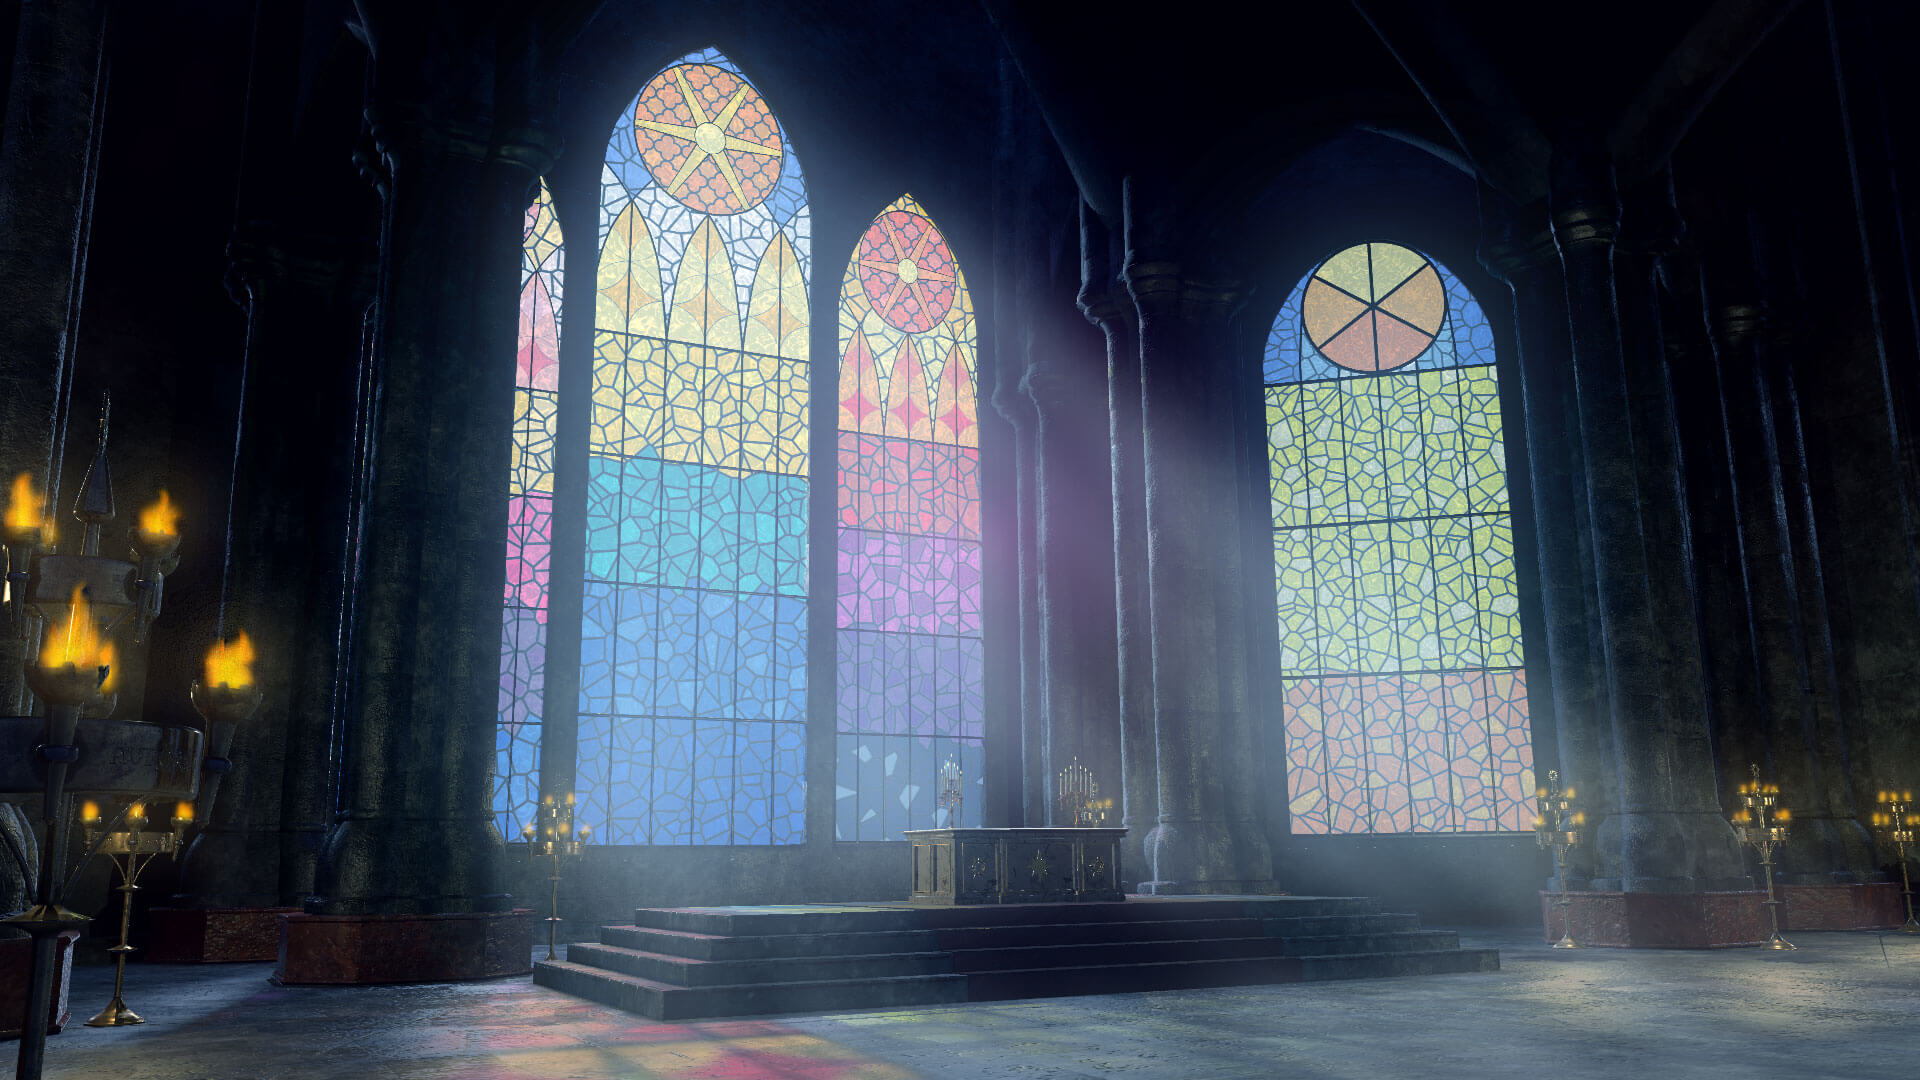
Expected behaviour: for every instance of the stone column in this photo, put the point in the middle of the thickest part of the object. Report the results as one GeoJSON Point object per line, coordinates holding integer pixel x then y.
{"type": "Point", "coordinates": [1029, 802]}
{"type": "Point", "coordinates": [1075, 547]}
{"type": "Point", "coordinates": [1107, 307]}
{"type": "Point", "coordinates": [1667, 830]}
{"type": "Point", "coordinates": [47, 162]}
{"type": "Point", "coordinates": [1530, 267]}
{"type": "Point", "coordinates": [1203, 842]}
{"type": "Point", "coordinates": [414, 833]}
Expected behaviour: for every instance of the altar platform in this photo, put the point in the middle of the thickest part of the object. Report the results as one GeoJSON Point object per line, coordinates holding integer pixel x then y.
{"type": "Point", "coordinates": [697, 962]}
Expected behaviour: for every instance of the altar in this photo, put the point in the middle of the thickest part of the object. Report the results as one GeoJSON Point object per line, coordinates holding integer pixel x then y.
{"type": "Point", "coordinates": [1016, 866]}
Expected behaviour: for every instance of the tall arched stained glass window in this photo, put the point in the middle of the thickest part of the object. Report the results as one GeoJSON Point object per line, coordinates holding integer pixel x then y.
{"type": "Point", "coordinates": [908, 689]}
{"type": "Point", "coordinates": [694, 634]}
{"type": "Point", "coordinates": [523, 628]}
{"type": "Point", "coordinates": [1405, 699]}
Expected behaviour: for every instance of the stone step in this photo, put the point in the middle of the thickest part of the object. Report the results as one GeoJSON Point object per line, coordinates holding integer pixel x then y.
{"type": "Point", "coordinates": [701, 946]}
{"type": "Point", "coordinates": [1397, 941]}
{"type": "Point", "coordinates": [893, 917]}
{"type": "Point", "coordinates": [661, 1001]}
{"type": "Point", "coordinates": [684, 971]}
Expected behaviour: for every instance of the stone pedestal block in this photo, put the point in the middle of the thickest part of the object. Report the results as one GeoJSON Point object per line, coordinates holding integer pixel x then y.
{"type": "Point", "coordinates": [351, 950]}
{"type": "Point", "coordinates": [1841, 907]}
{"type": "Point", "coordinates": [215, 935]}
{"type": "Point", "coordinates": [1647, 920]}
{"type": "Point", "coordinates": [16, 956]}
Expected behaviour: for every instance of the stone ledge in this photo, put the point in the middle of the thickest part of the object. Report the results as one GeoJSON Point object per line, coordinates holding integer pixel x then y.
{"type": "Point", "coordinates": [215, 935]}
{"type": "Point", "coordinates": [1643, 920]}
{"type": "Point", "coordinates": [16, 957]}
{"type": "Point", "coordinates": [349, 950]}
{"type": "Point", "coordinates": [1878, 906]}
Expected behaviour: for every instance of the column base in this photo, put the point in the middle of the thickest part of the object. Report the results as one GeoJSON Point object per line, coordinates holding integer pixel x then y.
{"type": "Point", "coordinates": [16, 957]}
{"type": "Point", "coordinates": [1647, 920]}
{"type": "Point", "coordinates": [1878, 906]}
{"type": "Point", "coordinates": [352, 950]}
{"type": "Point", "coordinates": [215, 935]}
{"type": "Point", "coordinates": [1210, 888]}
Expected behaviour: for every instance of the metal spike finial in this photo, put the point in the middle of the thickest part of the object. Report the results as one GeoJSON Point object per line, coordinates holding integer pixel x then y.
{"type": "Point", "coordinates": [94, 503]}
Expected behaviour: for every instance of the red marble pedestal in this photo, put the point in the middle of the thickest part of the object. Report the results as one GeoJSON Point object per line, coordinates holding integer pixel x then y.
{"type": "Point", "coordinates": [215, 935]}
{"type": "Point", "coordinates": [1637, 920]}
{"type": "Point", "coordinates": [16, 957]}
{"type": "Point", "coordinates": [1841, 907]}
{"type": "Point", "coordinates": [362, 949]}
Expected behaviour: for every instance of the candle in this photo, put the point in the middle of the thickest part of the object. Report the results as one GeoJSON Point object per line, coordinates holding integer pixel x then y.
{"type": "Point", "coordinates": [231, 665]}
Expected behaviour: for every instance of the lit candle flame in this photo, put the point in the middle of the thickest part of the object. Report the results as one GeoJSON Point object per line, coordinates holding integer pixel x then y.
{"type": "Point", "coordinates": [183, 812]}
{"type": "Point", "coordinates": [1781, 814]}
{"type": "Point", "coordinates": [231, 665]}
{"type": "Point", "coordinates": [77, 642]}
{"type": "Point", "coordinates": [89, 812]}
{"type": "Point", "coordinates": [26, 506]}
{"type": "Point", "coordinates": [137, 815]}
{"type": "Point", "coordinates": [160, 517]}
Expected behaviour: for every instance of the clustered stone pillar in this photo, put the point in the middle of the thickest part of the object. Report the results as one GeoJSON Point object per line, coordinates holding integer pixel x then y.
{"type": "Point", "coordinates": [1666, 830]}
{"type": "Point", "coordinates": [413, 835]}
{"type": "Point", "coordinates": [1108, 308]}
{"type": "Point", "coordinates": [1203, 841]}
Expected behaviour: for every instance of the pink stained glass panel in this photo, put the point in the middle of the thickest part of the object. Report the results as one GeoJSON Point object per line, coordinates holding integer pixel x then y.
{"type": "Point", "coordinates": [1343, 704]}
{"type": "Point", "coordinates": [1473, 792]}
{"type": "Point", "coordinates": [529, 551]}
{"type": "Point", "coordinates": [1387, 793]}
{"type": "Point", "coordinates": [1429, 776]}
{"type": "Point", "coordinates": [1510, 747]}
{"type": "Point", "coordinates": [1306, 758]}
{"type": "Point", "coordinates": [537, 361]}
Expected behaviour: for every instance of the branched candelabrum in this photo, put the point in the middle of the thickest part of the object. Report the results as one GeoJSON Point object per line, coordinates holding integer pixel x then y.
{"type": "Point", "coordinates": [1762, 822]}
{"type": "Point", "coordinates": [1556, 824]}
{"type": "Point", "coordinates": [1080, 802]}
{"type": "Point", "coordinates": [951, 796]}
{"type": "Point", "coordinates": [131, 846]}
{"type": "Point", "coordinates": [552, 836]}
{"type": "Point", "coordinates": [1896, 819]}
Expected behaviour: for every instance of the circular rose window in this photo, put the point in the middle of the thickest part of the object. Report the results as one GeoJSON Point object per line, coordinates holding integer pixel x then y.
{"type": "Point", "coordinates": [907, 270]}
{"type": "Point", "coordinates": [1374, 307]}
{"type": "Point", "coordinates": [708, 138]}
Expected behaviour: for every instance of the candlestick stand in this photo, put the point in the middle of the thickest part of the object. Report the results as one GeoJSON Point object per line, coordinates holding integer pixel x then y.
{"type": "Point", "coordinates": [1556, 824]}
{"type": "Point", "coordinates": [552, 836]}
{"type": "Point", "coordinates": [131, 849]}
{"type": "Point", "coordinates": [1762, 823]}
{"type": "Point", "coordinates": [1896, 818]}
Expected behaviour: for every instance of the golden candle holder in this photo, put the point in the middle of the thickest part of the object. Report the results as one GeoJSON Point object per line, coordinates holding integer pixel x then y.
{"type": "Point", "coordinates": [1079, 799]}
{"type": "Point", "coordinates": [1556, 824]}
{"type": "Point", "coordinates": [132, 847]}
{"type": "Point", "coordinates": [1762, 822]}
{"type": "Point", "coordinates": [951, 796]}
{"type": "Point", "coordinates": [552, 836]}
{"type": "Point", "coordinates": [1897, 819]}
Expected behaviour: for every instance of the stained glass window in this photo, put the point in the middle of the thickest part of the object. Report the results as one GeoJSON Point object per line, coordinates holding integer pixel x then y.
{"type": "Point", "coordinates": [1400, 654]}
{"type": "Point", "coordinates": [908, 691]}
{"type": "Point", "coordinates": [523, 627]}
{"type": "Point", "coordinates": [694, 633]}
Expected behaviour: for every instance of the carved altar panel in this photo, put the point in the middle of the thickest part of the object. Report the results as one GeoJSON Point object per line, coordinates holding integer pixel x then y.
{"type": "Point", "coordinates": [1015, 866]}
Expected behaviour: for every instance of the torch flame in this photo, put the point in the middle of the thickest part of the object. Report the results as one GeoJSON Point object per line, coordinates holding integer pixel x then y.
{"type": "Point", "coordinates": [77, 642]}
{"type": "Point", "coordinates": [26, 506]}
{"type": "Point", "coordinates": [160, 517]}
{"type": "Point", "coordinates": [231, 664]}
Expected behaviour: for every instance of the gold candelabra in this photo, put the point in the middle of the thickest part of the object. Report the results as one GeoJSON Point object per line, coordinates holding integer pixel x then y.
{"type": "Point", "coordinates": [951, 792]}
{"type": "Point", "coordinates": [132, 847]}
{"type": "Point", "coordinates": [551, 836]}
{"type": "Point", "coordinates": [1762, 822]}
{"type": "Point", "coordinates": [1080, 802]}
{"type": "Point", "coordinates": [1897, 819]}
{"type": "Point", "coordinates": [1556, 824]}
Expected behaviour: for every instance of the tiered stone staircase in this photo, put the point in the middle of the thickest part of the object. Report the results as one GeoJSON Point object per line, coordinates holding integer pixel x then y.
{"type": "Point", "coordinates": [690, 963]}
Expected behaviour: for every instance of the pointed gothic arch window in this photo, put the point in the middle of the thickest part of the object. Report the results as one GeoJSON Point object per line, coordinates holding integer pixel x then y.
{"type": "Point", "coordinates": [694, 634]}
{"type": "Point", "coordinates": [1405, 696]}
{"type": "Point", "coordinates": [523, 629]}
{"type": "Point", "coordinates": [908, 695]}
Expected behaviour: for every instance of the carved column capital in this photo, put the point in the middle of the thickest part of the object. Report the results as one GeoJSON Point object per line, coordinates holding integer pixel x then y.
{"type": "Point", "coordinates": [1154, 286]}
{"type": "Point", "coordinates": [1211, 303]}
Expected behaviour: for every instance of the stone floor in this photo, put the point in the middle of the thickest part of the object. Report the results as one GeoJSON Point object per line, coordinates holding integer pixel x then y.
{"type": "Point", "coordinates": [1843, 1006]}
